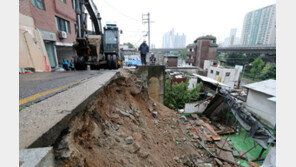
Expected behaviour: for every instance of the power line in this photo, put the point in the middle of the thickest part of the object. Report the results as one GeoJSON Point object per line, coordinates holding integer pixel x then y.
{"type": "Point", "coordinates": [121, 12]}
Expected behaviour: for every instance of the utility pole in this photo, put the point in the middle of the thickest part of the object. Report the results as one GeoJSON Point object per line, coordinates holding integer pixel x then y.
{"type": "Point", "coordinates": [146, 19]}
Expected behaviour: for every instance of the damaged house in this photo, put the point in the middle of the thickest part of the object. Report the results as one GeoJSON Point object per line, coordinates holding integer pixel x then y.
{"type": "Point", "coordinates": [261, 101]}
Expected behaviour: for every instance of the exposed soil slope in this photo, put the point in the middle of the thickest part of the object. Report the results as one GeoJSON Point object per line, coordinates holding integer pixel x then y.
{"type": "Point", "coordinates": [124, 127]}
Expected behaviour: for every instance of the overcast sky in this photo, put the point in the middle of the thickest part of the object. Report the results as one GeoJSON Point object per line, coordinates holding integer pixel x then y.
{"type": "Point", "coordinates": [191, 17]}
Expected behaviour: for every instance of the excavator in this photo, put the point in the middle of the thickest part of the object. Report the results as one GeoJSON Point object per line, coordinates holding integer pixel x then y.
{"type": "Point", "coordinates": [99, 48]}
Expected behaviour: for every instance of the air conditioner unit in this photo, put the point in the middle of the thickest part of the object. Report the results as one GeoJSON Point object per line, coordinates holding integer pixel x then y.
{"type": "Point", "coordinates": [62, 34]}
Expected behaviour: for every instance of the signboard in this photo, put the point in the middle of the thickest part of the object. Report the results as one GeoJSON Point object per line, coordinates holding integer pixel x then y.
{"type": "Point", "coordinates": [48, 36]}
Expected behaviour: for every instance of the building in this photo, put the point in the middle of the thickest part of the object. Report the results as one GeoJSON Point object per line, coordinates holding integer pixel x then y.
{"type": "Point", "coordinates": [232, 39]}
{"type": "Point", "coordinates": [228, 76]}
{"type": "Point", "coordinates": [260, 26]}
{"type": "Point", "coordinates": [172, 40]}
{"type": "Point", "coordinates": [261, 101]}
{"type": "Point", "coordinates": [56, 21]}
{"type": "Point", "coordinates": [172, 60]}
{"type": "Point", "coordinates": [204, 48]}
{"type": "Point", "coordinates": [191, 54]}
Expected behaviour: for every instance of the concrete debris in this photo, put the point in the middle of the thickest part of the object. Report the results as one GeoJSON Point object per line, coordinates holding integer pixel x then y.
{"type": "Point", "coordinates": [143, 154]}
{"type": "Point", "coordinates": [154, 114]}
{"type": "Point", "coordinates": [218, 162]}
{"type": "Point", "coordinates": [129, 140]}
{"type": "Point", "coordinates": [235, 153]}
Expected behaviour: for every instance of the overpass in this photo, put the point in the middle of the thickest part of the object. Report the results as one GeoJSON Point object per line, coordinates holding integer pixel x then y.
{"type": "Point", "coordinates": [261, 49]}
{"type": "Point", "coordinates": [154, 50]}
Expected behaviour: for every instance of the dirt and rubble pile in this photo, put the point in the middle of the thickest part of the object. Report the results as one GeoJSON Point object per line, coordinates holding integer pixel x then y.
{"type": "Point", "coordinates": [123, 126]}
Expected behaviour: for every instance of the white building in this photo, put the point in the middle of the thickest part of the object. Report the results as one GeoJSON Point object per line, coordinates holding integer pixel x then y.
{"type": "Point", "coordinates": [260, 26]}
{"type": "Point", "coordinates": [228, 76]}
{"type": "Point", "coordinates": [261, 101]}
{"type": "Point", "coordinates": [232, 39]}
{"type": "Point", "coordinates": [172, 40]}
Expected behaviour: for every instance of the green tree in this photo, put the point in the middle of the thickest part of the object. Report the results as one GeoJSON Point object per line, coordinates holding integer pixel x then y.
{"type": "Point", "coordinates": [178, 94]}
{"type": "Point", "coordinates": [268, 72]}
{"type": "Point", "coordinates": [256, 67]}
{"type": "Point", "coordinates": [129, 45]}
{"type": "Point", "coordinates": [183, 54]}
{"type": "Point", "coordinates": [233, 59]}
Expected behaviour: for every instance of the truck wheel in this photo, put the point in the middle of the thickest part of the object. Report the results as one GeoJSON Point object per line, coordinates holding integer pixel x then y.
{"type": "Point", "coordinates": [114, 62]}
{"type": "Point", "coordinates": [79, 63]}
{"type": "Point", "coordinates": [109, 61]}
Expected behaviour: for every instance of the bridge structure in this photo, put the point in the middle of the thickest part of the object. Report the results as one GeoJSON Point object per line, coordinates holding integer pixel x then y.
{"type": "Point", "coordinates": [260, 49]}
{"type": "Point", "coordinates": [153, 50]}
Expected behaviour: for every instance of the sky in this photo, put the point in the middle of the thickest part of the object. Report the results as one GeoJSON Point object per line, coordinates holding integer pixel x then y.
{"type": "Point", "coordinates": [194, 18]}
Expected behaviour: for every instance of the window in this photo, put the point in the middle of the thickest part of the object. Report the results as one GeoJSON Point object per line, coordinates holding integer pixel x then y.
{"type": "Point", "coordinates": [212, 71]}
{"type": "Point", "coordinates": [227, 74]}
{"type": "Point", "coordinates": [62, 24]}
{"type": "Point", "coordinates": [110, 37]}
{"type": "Point", "coordinates": [63, 1]}
{"type": "Point", "coordinates": [217, 72]}
{"type": "Point", "coordinates": [38, 3]}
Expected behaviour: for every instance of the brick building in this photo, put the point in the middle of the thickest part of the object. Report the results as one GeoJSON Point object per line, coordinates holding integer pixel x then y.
{"type": "Point", "coordinates": [191, 52]}
{"type": "Point", "coordinates": [56, 21]}
{"type": "Point", "coordinates": [204, 48]}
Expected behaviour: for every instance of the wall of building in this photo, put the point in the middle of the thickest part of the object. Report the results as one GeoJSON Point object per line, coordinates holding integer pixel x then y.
{"type": "Point", "coordinates": [258, 104]}
{"type": "Point", "coordinates": [230, 80]}
{"type": "Point", "coordinates": [191, 55]}
{"type": "Point", "coordinates": [172, 61]}
{"type": "Point", "coordinates": [45, 19]}
{"type": "Point", "coordinates": [32, 52]}
{"type": "Point", "coordinates": [260, 26]}
{"type": "Point", "coordinates": [205, 51]}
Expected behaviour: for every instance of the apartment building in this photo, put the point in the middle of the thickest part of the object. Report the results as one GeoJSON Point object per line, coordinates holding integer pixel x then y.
{"type": "Point", "coordinates": [260, 26]}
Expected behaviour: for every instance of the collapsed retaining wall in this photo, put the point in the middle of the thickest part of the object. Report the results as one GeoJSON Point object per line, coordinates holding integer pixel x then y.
{"type": "Point", "coordinates": [123, 126]}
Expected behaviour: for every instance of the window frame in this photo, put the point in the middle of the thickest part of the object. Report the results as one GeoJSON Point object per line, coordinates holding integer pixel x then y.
{"type": "Point", "coordinates": [35, 4]}
{"type": "Point", "coordinates": [63, 25]}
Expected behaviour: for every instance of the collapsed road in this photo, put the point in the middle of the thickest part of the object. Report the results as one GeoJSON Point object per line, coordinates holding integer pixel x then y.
{"type": "Point", "coordinates": [120, 125]}
{"type": "Point", "coordinates": [36, 87]}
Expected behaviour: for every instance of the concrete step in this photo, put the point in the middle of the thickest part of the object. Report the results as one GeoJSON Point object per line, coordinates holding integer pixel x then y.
{"type": "Point", "coordinates": [37, 157]}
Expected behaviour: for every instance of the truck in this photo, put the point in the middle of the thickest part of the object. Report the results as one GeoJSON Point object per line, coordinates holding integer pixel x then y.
{"type": "Point", "coordinates": [99, 48]}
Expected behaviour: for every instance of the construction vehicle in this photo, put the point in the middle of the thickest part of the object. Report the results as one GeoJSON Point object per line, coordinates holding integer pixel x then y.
{"type": "Point", "coordinates": [99, 48]}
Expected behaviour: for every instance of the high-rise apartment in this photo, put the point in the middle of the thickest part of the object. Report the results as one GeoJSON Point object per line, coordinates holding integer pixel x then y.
{"type": "Point", "coordinates": [260, 26]}
{"type": "Point", "coordinates": [172, 40]}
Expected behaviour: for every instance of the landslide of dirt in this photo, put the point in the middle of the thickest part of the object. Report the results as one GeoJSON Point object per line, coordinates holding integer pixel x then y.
{"type": "Point", "coordinates": [123, 126]}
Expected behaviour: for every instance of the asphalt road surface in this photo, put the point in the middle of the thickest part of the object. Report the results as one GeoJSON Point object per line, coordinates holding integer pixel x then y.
{"type": "Point", "coordinates": [37, 86]}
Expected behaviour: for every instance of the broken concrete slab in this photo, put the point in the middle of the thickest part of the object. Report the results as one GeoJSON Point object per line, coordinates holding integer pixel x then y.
{"type": "Point", "coordinates": [37, 157]}
{"type": "Point", "coordinates": [41, 124]}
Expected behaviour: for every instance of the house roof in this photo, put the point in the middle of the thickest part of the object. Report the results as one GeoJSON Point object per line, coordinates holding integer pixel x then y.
{"type": "Point", "coordinates": [210, 80]}
{"type": "Point", "coordinates": [268, 87]}
{"type": "Point", "coordinates": [272, 99]}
